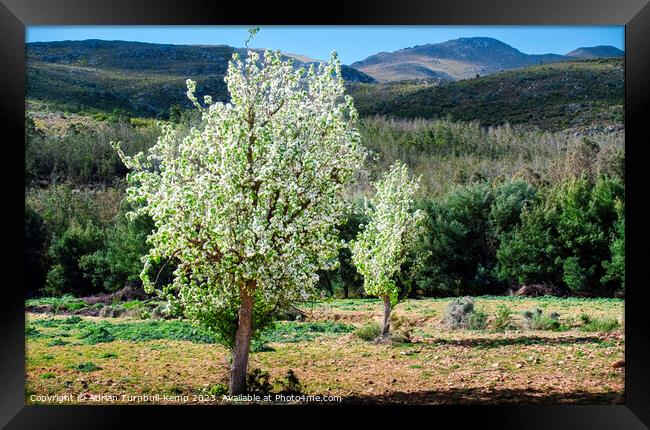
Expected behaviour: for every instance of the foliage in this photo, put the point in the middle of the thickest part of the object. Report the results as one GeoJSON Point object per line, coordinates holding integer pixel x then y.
{"type": "Point", "coordinates": [66, 302]}
{"type": "Point", "coordinates": [615, 268]}
{"type": "Point", "coordinates": [118, 262]}
{"type": "Point", "coordinates": [564, 238]}
{"type": "Point", "coordinates": [599, 325]}
{"type": "Point", "coordinates": [536, 320]}
{"type": "Point", "coordinates": [446, 152]}
{"type": "Point", "coordinates": [247, 204]}
{"type": "Point", "coordinates": [466, 226]}
{"type": "Point", "coordinates": [550, 96]}
{"type": "Point", "coordinates": [83, 154]}
{"type": "Point", "coordinates": [391, 233]}
{"type": "Point", "coordinates": [290, 331]}
{"type": "Point", "coordinates": [402, 328]}
{"type": "Point", "coordinates": [458, 312]}
{"type": "Point", "coordinates": [97, 333]}
{"type": "Point", "coordinates": [67, 275]}
{"type": "Point", "coordinates": [344, 280]}
{"type": "Point", "coordinates": [218, 390]}
{"type": "Point", "coordinates": [502, 320]}
{"type": "Point", "coordinates": [477, 320]}
{"type": "Point", "coordinates": [369, 331]}
{"type": "Point", "coordinates": [36, 258]}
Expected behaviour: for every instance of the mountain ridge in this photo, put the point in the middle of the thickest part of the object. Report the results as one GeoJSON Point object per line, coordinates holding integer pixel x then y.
{"type": "Point", "coordinates": [457, 59]}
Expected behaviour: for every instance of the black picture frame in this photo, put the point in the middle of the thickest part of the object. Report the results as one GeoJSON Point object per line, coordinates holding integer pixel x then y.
{"type": "Point", "coordinates": [15, 15]}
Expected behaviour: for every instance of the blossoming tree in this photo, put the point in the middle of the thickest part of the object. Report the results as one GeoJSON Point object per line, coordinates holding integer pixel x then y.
{"type": "Point", "coordinates": [391, 233]}
{"type": "Point", "coordinates": [248, 202]}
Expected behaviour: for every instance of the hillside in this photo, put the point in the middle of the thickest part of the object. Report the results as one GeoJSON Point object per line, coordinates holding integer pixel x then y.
{"type": "Point", "coordinates": [454, 59]}
{"type": "Point", "coordinates": [597, 52]}
{"type": "Point", "coordinates": [583, 94]}
{"type": "Point", "coordinates": [144, 79]}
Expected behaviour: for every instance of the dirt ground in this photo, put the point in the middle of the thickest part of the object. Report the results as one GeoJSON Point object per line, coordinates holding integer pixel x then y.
{"type": "Point", "coordinates": [438, 365]}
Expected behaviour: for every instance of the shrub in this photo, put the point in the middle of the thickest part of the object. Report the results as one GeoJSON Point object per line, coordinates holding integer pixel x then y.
{"type": "Point", "coordinates": [467, 224]}
{"type": "Point", "coordinates": [112, 311]}
{"type": "Point", "coordinates": [36, 243]}
{"type": "Point", "coordinates": [477, 320]}
{"type": "Point", "coordinates": [218, 390]}
{"type": "Point", "coordinates": [599, 325]}
{"type": "Point", "coordinates": [401, 328]}
{"type": "Point", "coordinates": [536, 320]}
{"type": "Point", "coordinates": [503, 318]}
{"type": "Point", "coordinates": [568, 238]}
{"type": "Point", "coordinates": [67, 276]}
{"type": "Point", "coordinates": [369, 331]}
{"type": "Point", "coordinates": [458, 312]}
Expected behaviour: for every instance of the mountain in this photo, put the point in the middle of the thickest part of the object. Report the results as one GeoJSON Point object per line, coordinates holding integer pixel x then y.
{"type": "Point", "coordinates": [454, 59]}
{"type": "Point", "coordinates": [600, 51]}
{"type": "Point", "coordinates": [142, 78]}
{"type": "Point", "coordinates": [575, 94]}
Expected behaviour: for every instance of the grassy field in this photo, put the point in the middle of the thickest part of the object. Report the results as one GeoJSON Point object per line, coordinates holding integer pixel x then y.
{"type": "Point", "coordinates": [574, 363]}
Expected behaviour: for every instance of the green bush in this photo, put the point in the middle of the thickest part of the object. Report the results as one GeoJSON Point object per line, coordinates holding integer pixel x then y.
{"type": "Point", "coordinates": [477, 320]}
{"type": "Point", "coordinates": [536, 320]}
{"type": "Point", "coordinates": [36, 258]}
{"type": "Point", "coordinates": [66, 275]}
{"type": "Point", "coordinates": [466, 226]}
{"type": "Point", "coordinates": [565, 238]}
{"type": "Point", "coordinates": [218, 390]}
{"type": "Point", "coordinates": [369, 331]}
{"type": "Point", "coordinates": [599, 324]}
{"type": "Point", "coordinates": [503, 318]}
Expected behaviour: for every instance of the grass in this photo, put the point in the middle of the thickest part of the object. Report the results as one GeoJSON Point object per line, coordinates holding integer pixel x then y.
{"type": "Point", "coordinates": [600, 325]}
{"type": "Point", "coordinates": [438, 366]}
{"type": "Point", "coordinates": [64, 303]}
{"type": "Point", "coordinates": [85, 367]}
{"type": "Point", "coordinates": [291, 331]}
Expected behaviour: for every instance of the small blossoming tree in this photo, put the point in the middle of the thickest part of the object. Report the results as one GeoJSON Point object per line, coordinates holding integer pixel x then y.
{"type": "Point", "coordinates": [391, 234]}
{"type": "Point", "coordinates": [248, 204]}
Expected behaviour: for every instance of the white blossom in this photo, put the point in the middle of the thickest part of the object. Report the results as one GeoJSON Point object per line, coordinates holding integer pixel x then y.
{"type": "Point", "coordinates": [255, 193]}
{"type": "Point", "coordinates": [392, 231]}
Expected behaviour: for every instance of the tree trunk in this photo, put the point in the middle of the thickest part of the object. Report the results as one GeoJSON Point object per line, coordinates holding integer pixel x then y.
{"type": "Point", "coordinates": [242, 342]}
{"type": "Point", "coordinates": [386, 327]}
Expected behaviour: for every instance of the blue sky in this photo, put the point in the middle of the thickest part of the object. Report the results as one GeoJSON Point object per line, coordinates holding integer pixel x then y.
{"type": "Point", "coordinates": [353, 43]}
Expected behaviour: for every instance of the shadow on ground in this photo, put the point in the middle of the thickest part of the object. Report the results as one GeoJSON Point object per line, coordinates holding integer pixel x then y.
{"type": "Point", "coordinates": [475, 396]}
{"type": "Point", "coordinates": [520, 340]}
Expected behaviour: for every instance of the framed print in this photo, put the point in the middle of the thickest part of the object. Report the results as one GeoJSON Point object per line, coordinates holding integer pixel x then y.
{"type": "Point", "coordinates": [381, 209]}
